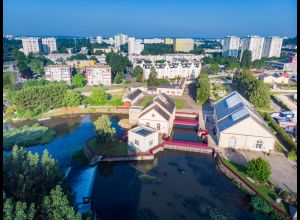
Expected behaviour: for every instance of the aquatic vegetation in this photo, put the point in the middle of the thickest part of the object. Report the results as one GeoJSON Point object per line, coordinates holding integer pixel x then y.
{"type": "Point", "coordinates": [148, 178]}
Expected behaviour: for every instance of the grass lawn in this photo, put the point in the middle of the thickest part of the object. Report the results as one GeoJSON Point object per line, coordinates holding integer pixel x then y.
{"type": "Point", "coordinates": [267, 108]}
{"type": "Point", "coordinates": [267, 192]}
{"type": "Point", "coordinates": [115, 148]}
{"type": "Point", "coordinates": [178, 101]}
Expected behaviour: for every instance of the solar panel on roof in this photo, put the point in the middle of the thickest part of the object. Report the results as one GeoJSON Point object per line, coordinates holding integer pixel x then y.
{"type": "Point", "coordinates": [239, 114]}
{"type": "Point", "coordinates": [233, 100]}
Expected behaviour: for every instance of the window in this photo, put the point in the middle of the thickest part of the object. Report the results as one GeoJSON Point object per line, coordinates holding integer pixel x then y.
{"type": "Point", "coordinates": [153, 115]}
{"type": "Point", "coordinates": [150, 142]}
{"type": "Point", "coordinates": [259, 144]}
{"type": "Point", "coordinates": [136, 142]}
{"type": "Point", "coordinates": [232, 142]}
{"type": "Point", "coordinates": [158, 126]}
{"type": "Point", "coordinates": [147, 124]}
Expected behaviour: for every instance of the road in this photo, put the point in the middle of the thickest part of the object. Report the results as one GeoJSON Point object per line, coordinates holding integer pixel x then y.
{"type": "Point", "coordinates": [18, 78]}
{"type": "Point", "coordinates": [284, 98]}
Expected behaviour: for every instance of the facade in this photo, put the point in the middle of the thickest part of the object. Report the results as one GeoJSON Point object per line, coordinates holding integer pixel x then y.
{"type": "Point", "coordinates": [49, 45]}
{"type": "Point", "coordinates": [132, 96]}
{"type": "Point", "coordinates": [120, 39]}
{"type": "Point", "coordinates": [183, 45]}
{"type": "Point", "coordinates": [81, 63]}
{"type": "Point", "coordinates": [289, 65]}
{"type": "Point", "coordinates": [166, 57]}
{"type": "Point", "coordinates": [277, 78]}
{"type": "Point", "coordinates": [153, 41]}
{"type": "Point", "coordinates": [134, 46]}
{"type": "Point", "coordinates": [99, 74]}
{"type": "Point", "coordinates": [57, 57]}
{"type": "Point", "coordinates": [31, 45]}
{"type": "Point", "coordinates": [58, 73]}
{"type": "Point", "coordinates": [99, 40]}
{"type": "Point", "coordinates": [286, 120]}
{"type": "Point", "coordinates": [168, 41]}
{"type": "Point", "coordinates": [83, 50]}
{"type": "Point", "coordinates": [142, 138]}
{"type": "Point", "coordinates": [239, 126]}
{"type": "Point", "coordinates": [167, 70]}
{"type": "Point", "coordinates": [107, 50]}
{"type": "Point", "coordinates": [231, 46]}
{"type": "Point", "coordinates": [158, 114]}
{"type": "Point", "coordinates": [254, 44]}
{"type": "Point", "coordinates": [272, 47]}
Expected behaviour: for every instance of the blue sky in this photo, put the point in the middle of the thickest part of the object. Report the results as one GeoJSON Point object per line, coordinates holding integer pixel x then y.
{"type": "Point", "coordinates": [150, 18]}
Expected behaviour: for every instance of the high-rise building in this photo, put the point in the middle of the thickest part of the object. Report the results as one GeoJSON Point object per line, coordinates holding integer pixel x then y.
{"type": "Point", "coordinates": [99, 39]}
{"type": "Point", "coordinates": [31, 44]}
{"type": "Point", "coordinates": [99, 74]}
{"type": "Point", "coordinates": [254, 44]}
{"type": "Point", "coordinates": [153, 41]}
{"type": "Point", "coordinates": [231, 45]}
{"type": "Point", "coordinates": [272, 47]}
{"type": "Point", "coordinates": [168, 41]}
{"type": "Point", "coordinates": [120, 39]}
{"type": "Point", "coordinates": [134, 46]}
{"type": "Point", "coordinates": [49, 45]}
{"type": "Point", "coordinates": [183, 45]}
{"type": "Point", "coordinates": [58, 73]}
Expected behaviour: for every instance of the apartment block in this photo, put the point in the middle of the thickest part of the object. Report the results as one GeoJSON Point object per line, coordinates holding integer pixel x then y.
{"type": "Point", "coordinates": [153, 41]}
{"type": "Point", "coordinates": [31, 45]}
{"type": "Point", "coordinates": [254, 44]}
{"type": "Point", "coordinates": [183, 45]}
{"type": "Point", "coordinates": [231, 46]}
{"type": "Point", "coordinates": [168, 41]}
{"type": "Point", "coordinates": [99, 40]}
{"type": "Point", "coordinates": [134, 46]}
{"type": "Point", "coordinates": [272, 47]}
{"type": "Point", "coordinates": [99, 74]}
{"type": "Point", "coordinates": [58, 73]}
{"type": "Point", "coordinates": [49, 45]}
{"type": "Point", "coordinates": [120, 39]}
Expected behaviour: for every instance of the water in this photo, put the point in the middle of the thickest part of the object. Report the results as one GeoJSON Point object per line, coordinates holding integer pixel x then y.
{"type": "Point", "coordinates": [185, 133]}
{"type": "Point", "coordinates": [187, 183]}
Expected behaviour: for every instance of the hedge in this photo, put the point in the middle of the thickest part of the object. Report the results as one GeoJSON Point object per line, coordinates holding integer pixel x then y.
{"type": "Point", "coordinates": [281, 104]}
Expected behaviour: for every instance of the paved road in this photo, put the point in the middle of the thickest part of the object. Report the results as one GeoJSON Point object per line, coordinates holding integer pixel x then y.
{"type": "Point", "coordinates": [284, 171]}
{"type": "Point", "coordinates": [284, 97]}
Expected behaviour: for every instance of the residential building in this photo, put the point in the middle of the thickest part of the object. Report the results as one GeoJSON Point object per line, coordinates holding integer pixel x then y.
{"type": "Point", "coordinates": [183, 45]}
{"type": "Point", "coordinates": [286, 120]}
{"type": "Point", "coordinates": [272, 47]}
{"type": "Point", "coordinates": [239, 126]}
{"type": "Point", "coordinates": [278, 78]}
{"type": "Point", "coordinates": [107, 50]}
{"type": "Point", "coordinates": [231, 46]}
{"type": "Point", "coordinates": [120, 39]}
{"type": "Point", "coordinates": [153, 41]}
{"type": "Point", "coordinates": [49, 45]}
{"type": "Point", "coordinates": [58, 73]}
{"type": "Point", "coordinates": [81, 63]}
{"type": "Point", "coordinates": [70, 50]}
{"type": "Point", "coordinates": [142, 138]}
{"type": "Point", "coordinates": [132, 96]}
{"type": "Point", "coordinates": [83, 50]}
{"type": "Point", "coordinates": [99, 40]}
{"type": "Point", "coordinates": [289, 65]}
{"type": "Point", "coordinates": [58, 57]}
{"type": "Point", "coordinates": [134, 46]}
{"type": "Point", "coordinates": [167, 70]}
{"type": "Point", "coordinates": [158, 114]}
{"type": "Point", "coordinates": [167, 57]}
{"type": "Point", "coordinates": [99, 74]}
{"type": "Point", "coordinates": [168, 41]}
{"type": "Point", "coordinates": [254, 44]}
{"type": "Point", "coordinates": [31, 45]}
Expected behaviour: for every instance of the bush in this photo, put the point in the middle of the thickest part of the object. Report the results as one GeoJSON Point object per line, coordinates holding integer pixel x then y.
{"type": "Point", "coordinates": [259, 169]}
{"type": "Point", "coordinates": [261, 206]}
{"type": "Point", "coordinates": [292, 155]}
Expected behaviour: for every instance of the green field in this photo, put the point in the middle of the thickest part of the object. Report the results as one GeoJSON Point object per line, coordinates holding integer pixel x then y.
{"type": "Point", "coordinates": [178, 101]}
{"type": "Point", "coordinates": [266, 191]}
{"type": "Point", "coordinates": [117, 147]}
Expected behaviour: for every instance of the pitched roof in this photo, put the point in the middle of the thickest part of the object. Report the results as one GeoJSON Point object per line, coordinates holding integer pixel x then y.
{"type": "Point", "coordinates": [159, 110]}
{"type": "Point", "coordinates": [132, 95]}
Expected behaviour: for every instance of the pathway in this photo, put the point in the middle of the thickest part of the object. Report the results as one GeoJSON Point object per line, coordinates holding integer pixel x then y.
{"type": "Point", "coordinates": [287, 101]}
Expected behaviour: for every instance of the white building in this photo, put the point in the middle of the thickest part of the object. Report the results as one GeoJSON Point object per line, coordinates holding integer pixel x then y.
{"type": "Point", "coordinates": [167, 57]}
{"type": "Point", "coordinates": [254, 44]}
{"type": "Point", "coordinates": [278, 78]}
{"type": "Point", "coordinates": [99, 74]}
{"type": "Point", "coordinates": [153, 41]}
{"type": "Point", "coordinates": [134, 46]}
{"type": "Point", "coordinates": [272, 47]}
{"type": "Point", "coordinates": [99, 39]}
{"type": "Point", "coordinates": [158, 114]}
{"type": "Point", "coordinates": [70, 50]}
{"type": "Point", "coordinates": [239, 125]}
{"type": "Point", "coordinates": [31, 44]}
{"type": "Point", "coordinates": [142, 138]}
{"type": "Point", "coordinates": [58, 57]}
{"type": "Point", "coordinates": [49, 45]}
{"type": "Point", "coordinates": [132, 96]}
{"type": "Point", "coordinates": [167, 70]}
{"type": "Point", "coordinates": [231, 46]}
{"type": "Point", "coordinates": [120, 39]}
{"type": "Point", "coordinates": [83, 50]}
{"type": "Point", "coordinates": [58, 73]}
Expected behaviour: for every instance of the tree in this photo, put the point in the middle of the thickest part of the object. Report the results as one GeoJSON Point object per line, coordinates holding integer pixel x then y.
{"type": "Point", "coordinates": [213, 68]}
{"type": "Point", "coordinates": [203, 87]}
{"type": "Point", "coordinates": [35, 82]}
{"type": "Point", "coordinates": [36, 65]}
{"type": "Point", "coordinates": [71, 98]}
{"type": "Point", "coordinates": [56, 206]}
{"type": "Point", "coordinates": [232, 65]}
{"type": "Point", "coordinates": [117, 62]}
{"type": "Point", "coordinates": [152, 79]}
{"type": "Point", "coordinates": [258, 64]}
{"type": "Point", "coordinates": [94, 58]}
{"type": "Point", "coordinates": [246, 59]}
{"type": "Point", "coordinates": [138, 73]}
{"type": "Point", "coordinates": [78, 80]}
{"type": "Point", "coordinates": [17, 210]}
{"type": "Point", "coordinates": [261, 206]}
{"type": "Point", "coordinates": [105, 132]}
{"type": "Point", "coordinates": [155, 49]}
{"type": "Point", "coordinates": [259, 169]}
{"type": "Point", "coordinates": [98, 97]}
{"type": "Point", "coordinates": [119, 77]}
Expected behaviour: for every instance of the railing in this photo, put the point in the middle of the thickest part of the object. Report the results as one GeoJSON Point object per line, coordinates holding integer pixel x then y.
{"type": "Point", "coordinates": [256, 192]}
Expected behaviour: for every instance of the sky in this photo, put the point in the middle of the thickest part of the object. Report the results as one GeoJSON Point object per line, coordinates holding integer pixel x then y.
{"type": "Point", "coordinates": [150, 18]}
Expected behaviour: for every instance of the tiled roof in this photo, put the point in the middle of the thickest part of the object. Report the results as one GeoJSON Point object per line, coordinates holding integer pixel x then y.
{"type": "Point", "coordinates": [132, 95]}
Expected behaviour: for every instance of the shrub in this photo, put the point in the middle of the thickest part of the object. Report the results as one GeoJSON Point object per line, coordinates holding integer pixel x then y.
{"type": "Point", "coordinates": [292, 155]}
{"type": "Point", "coordinates": [261, 206]}
{"type": "Point", "coordinates": [259, 169]}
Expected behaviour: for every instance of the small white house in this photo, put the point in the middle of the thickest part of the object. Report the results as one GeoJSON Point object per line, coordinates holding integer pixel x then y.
{"type": "Point", "coordinates": [142, 138]}
{"type": "Point", "coordinates": [132, 96]}
{"type": "Point", "coordinates": [238, 125]}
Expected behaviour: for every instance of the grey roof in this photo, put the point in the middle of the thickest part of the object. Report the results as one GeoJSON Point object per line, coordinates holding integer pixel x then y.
{"type": "Point", "coordinates": [164, 100]}
{"type": "Point", "coordinates": [132, 95]}
{"type": "Point", "coordinates": [159, 110]}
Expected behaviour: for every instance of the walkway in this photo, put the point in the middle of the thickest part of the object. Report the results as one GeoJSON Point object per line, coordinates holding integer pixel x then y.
{"type": "Point", "coordinates": [284, 98]}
